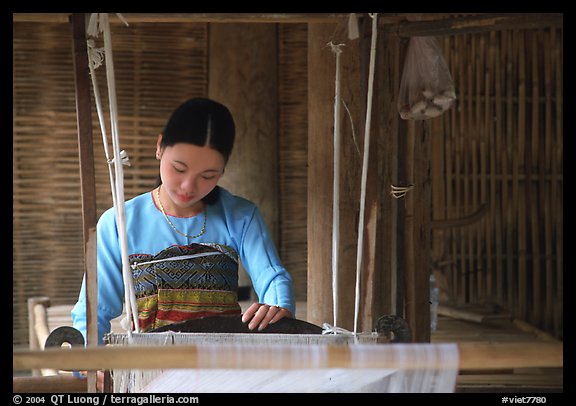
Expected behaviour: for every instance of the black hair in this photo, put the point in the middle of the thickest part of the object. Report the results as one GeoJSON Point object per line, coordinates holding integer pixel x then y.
{"type": "Point", "coordinates": [201, 121]}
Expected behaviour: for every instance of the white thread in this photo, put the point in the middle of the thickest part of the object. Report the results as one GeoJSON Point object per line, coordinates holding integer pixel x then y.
{"type": "Point", "coordinates": [352, 127]}
{"type": "Point", "coordinates": [400, 191]}
{"type": "Point", "coordinates": [330, 329]}
{"type": "Point", "coordinates": [337, 49]}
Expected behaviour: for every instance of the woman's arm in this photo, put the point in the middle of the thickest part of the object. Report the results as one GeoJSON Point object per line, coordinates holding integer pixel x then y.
{"type": "Point", "coordinates": [110, 283]}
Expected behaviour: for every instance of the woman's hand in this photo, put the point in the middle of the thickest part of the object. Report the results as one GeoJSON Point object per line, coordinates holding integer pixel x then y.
{"type": "Point", "coordinates": [261, 314]}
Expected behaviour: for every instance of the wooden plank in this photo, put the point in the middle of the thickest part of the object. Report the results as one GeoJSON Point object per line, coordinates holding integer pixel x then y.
{"type": "Point", "coordinates": [321, 71]}
{"type": "Point", "coordinates": [243, 76]}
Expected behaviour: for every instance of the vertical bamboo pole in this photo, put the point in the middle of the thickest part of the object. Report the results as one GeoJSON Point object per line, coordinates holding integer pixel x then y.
{"type": "Point", "coordinates": [482, 109]}
{"type": "Point", "coordinates": [546, 181]}
{"type": "Point", "coordinates": [507, 199]}
{"type": "Point", "coordinates": [519, 162]}
{"type": "Point", "coordinates": [535, 192]}
{"type": "Point", "coordinates": [475, 268]}
{"type": "Point", "coordinates": [557, 182]}
{"type": "Point", "coordinates": [459, 184]}
{"type": "Point", "coordinates": [488, 169]}
{"type": "Point", "coordinates": [498, 168]}
{"type": "Point", "coordinates": [439, 182]}
{"type": "Point", "coordinates": [449, 168]}
{"type": "Point", "coordinates": [87, 179]}
{"type": "Point", "coordinates": [467, 132]}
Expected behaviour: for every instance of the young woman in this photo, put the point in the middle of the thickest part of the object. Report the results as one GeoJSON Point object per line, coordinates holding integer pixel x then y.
{"type": "Point", "coordinates": [187, 236]}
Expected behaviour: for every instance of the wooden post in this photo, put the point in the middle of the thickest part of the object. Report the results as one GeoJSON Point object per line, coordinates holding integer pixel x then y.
{"type": "Point", "coordinates": [419, 266]}
{"type": "Point", "coordinates": [243, 75]}
{"type": "Point", "coordinates": [87, 179]}
{"type": "Point", "coordinates": [321, 71]}
{"type": "Point", "coordinates": [34, 342]}
{"type": "Point", "coordinates": [384, 287]}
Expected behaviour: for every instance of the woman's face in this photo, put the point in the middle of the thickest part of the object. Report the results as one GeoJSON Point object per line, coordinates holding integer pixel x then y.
{"type": "Point", "coordinates": [188, 174]}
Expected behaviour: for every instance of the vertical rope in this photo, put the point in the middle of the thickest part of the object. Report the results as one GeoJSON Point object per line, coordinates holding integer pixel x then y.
{"type": "Point", "coordinates": [116, 180]}
{"type": "Point", "coordinates": [337, 49]}
{"type": "Point", "coordinates": [359, 249]}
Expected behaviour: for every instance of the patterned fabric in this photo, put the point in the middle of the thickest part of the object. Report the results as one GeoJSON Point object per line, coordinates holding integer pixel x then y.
{"type": "Point", "coordinates": [185, 282]}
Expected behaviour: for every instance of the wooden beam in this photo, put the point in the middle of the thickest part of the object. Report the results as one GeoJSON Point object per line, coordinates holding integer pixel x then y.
{"type": "Point", "coordinates": [87, 177]}
{"type": "Point", "coordinates": [195, 17]}
{"type": "Point", "coordinates": [479, 23]}
{"type": "Point", "coordinates": [321, 73]}
{"type": "Point", "coordinates": [48, 384]}
{"type": "Point", "coordinates": [476, 356]}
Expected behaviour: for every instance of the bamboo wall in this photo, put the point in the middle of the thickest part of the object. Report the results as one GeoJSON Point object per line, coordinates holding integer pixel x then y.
{"type": "Point", "coordinates": [498, 158]}
{"type": "Point", "coordinates": [157, 66]}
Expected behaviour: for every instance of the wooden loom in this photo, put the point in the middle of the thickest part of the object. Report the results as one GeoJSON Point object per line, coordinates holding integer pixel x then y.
{"type": "Point", "coordinates": [188, 356]}
{"type": "Point", "coordinates": [471, 356]}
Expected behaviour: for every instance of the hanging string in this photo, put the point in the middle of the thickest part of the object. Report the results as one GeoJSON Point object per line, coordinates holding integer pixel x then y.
{"type": "Point", "coordinates": [359, 249]}
{"type": "Point", "coordinates": [99, 23]}
{"type": "Point", "coordinates": [337, 49]}
{"type": "Point", "coordinates": [399, 192]}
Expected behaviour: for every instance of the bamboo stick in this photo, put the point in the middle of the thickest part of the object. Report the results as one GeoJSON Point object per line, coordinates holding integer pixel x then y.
{"type": "Point", "coordinates": [458, 129]}
{"type": "Point", "coordinates": [449, 153]}
{"type": "Point", "coordinates": [534, 191]}
{"type": "Point", "coordinates": [471, 356]}
{"type": "Point", "coordinates": [467, 124]}
{"type": "Point", "coordinates": [518, 161]}
{"type": "Point", "coordinates": [475, 241]}
{"type": "Point", "coordinates": [557, 195]}
{"type": "Point", "coordinates": [545, 186]}
{"type": "Point", "coordinates": [488, 168]}
{"type": "Point", "coordinates": [507, 197]}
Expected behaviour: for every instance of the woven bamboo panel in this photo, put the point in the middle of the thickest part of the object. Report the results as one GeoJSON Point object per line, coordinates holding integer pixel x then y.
{"type": "Point", "coordinates": [157, 66]}
{"type": "Point", "coordinates": [501, 146]}
{"type": "Point", "coordinates": [293, 155]}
